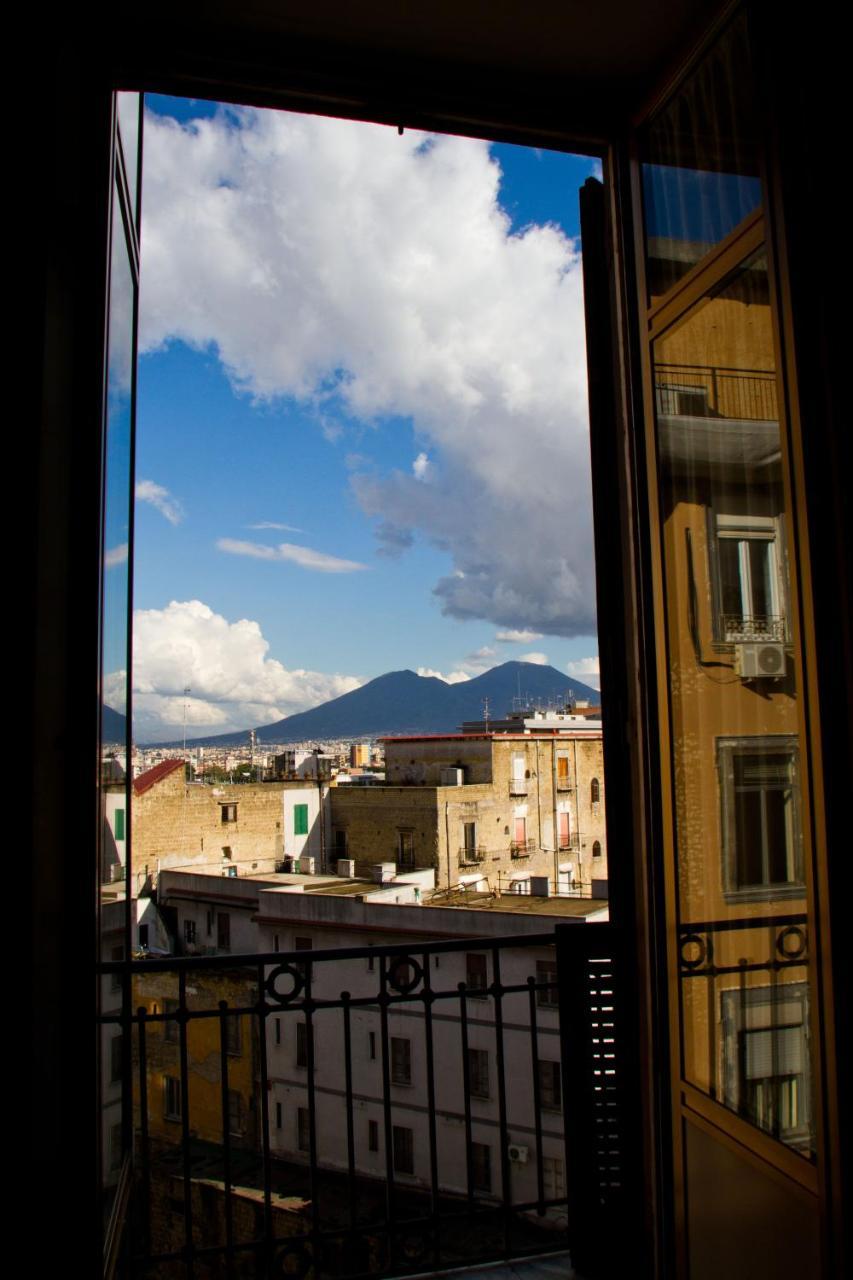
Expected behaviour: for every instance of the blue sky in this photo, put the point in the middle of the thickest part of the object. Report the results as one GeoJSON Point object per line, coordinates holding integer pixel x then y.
{"type": "Point", "coordinates": [356, 450]}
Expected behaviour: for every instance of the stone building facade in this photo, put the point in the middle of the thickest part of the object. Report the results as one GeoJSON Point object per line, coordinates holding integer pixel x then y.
{"type": "Point", "coordinates": [492, 808]}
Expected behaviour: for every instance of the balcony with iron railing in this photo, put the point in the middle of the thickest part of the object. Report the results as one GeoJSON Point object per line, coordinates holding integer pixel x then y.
{"type": "Point", "coordinates": [519, 786]}
{"type": "Point", "coordinates": [703, 391]}
{"type": "Point", "coordinates": [414, 1123]}
{"type": "Point", "coordinates": [737, 628]}
{"type": "Point", "coordinates": [471, 854]}
{"type": "Point", "coordinates": [522, 848]}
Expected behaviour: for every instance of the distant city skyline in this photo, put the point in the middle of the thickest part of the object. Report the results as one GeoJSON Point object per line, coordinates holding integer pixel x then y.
{"type": "Point", "coordinates": [362, 434]}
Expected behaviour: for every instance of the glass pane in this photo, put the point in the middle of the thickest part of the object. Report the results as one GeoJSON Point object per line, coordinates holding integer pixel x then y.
{"type": "Point", "coordinates": [114, 723]}
{"type": "Point", "coordinates": [734, 689]}
{"type": "Point", "coordinates": [700, 170]}
{"type": "Point", "coordinates": [128, 127]}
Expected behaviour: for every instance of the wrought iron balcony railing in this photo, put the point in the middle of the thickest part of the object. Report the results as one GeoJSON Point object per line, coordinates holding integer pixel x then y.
{"type": "Point", "coordinates": [737, 628]}
{"type": "Point", "coordinates": [367, 1112]}
{"type": "Point", "coordinates": [522, 848]}
{"type": "Point", "coordinates": [471, 853]}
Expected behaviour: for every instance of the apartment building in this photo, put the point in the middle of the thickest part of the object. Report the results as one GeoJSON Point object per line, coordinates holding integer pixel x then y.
{"type": "Point", "coordinates": [484, 808]}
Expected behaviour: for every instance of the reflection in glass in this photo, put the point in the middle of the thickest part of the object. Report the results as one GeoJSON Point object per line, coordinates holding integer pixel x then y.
{"type": "Point", "coordinates": [128, 105]}
{"type": "Point", "coordinates": [700, 171]}
{"type": "Point", "coordinates": [114, 766]}
{"type": "Point", "coordinates": [733, 691]}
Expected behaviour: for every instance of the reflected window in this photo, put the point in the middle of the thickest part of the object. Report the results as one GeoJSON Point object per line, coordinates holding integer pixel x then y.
{"type": "Point", "coordinates": [749, 594]}
{"type": "Point", "coordinates": [761, 819]}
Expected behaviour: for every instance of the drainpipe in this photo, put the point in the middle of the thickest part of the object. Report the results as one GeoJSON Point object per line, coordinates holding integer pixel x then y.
{"type": "Point", "coordinates": [447, 838]}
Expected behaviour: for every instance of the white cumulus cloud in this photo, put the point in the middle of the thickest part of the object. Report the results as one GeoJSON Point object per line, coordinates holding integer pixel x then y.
{"type": "Point", "coordinates": [540, 659]}
{"type": "Point", "coordinates": [452, 677]}
{"type": "Point", "coordinates": [161, 499]}
{"type": "Point", "coordinates": [233, 682]}
{"type": "Point", "coordinates": [115, 556]}
{"type": "Point", "coordinates": [371, 275]}
{"type": "Point", "coordinates": [517, 635]}
{"type": "Point", "coordinates": [305, 557]}
{"type": "Point", "coordinates": [585, 669]}
{"type": "Point", "coordinates": [421, 467]}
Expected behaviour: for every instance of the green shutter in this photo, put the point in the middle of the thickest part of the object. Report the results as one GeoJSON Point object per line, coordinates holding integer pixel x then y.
{"type": "Point", "coordinates": [300, 819]}
{"type": "Point", "coordinates": [119, 830]}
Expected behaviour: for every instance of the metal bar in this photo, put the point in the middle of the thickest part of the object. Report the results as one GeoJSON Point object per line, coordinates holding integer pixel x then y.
{"type": "Point", "coordinates": [435, 1207]}
{"type": "Point", "coordinates": [353, 1190]}
{"type": "Point", "coordinates": [308, 1006]}
{"type": "Point", "coordinates": [226, 1135]}
{"type": "Point", "coordinates": [144, 1149]}
{"type": "Point", "coordinates": [537, 1095]}
{"type": "Point", "coordinates": [185, 1123]}
{"type": "Point", "coordinates": [506, 1186]}
{"type": "Point", "coordinates": [727, 926]}
{"type": "Point", "coordinates": [466, 1090]}
{"type": "Point", "coordinates": [262, 1011]}
{"type": "Point", "coordinates": [386, 1096]}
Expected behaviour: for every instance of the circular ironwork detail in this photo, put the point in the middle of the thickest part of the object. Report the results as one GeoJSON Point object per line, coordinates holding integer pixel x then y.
{"type": "Point", "coordinates": [294, 1260]}
{"type": "Point", "coordinates": [292, 971]}
{"type": "Point", "coordinates": [412, 1246]}
{"type": "Point", "coordinates": [404, 975]}
{"type": "Point", "coordinates": [694, 949]}
{"type": "Point", "coordinates": [791, 942]}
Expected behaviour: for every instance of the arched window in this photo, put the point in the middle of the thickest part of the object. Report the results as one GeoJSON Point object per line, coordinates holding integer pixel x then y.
{"type": "Point", "coordinates": [595, 791]}
{"type": "Point", "coordinates": [596, 849]}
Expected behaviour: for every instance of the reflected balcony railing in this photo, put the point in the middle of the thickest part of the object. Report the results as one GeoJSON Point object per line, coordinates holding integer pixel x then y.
{"type": "Point", "coordinates": [712, 391]}
{"type": "Point", "coordinates": [365, 1112]}
{"type": "Point", "coordinates": [742, 628]}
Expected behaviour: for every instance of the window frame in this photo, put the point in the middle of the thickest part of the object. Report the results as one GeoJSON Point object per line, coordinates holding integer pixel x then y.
{"type": "Point", "coordinates": [401, 1060]}
{"type": "Point", "coordinates": [403, 1149]}
{"type": "Point", "coordinates": [724, 526]}
{"type": "Point", "coordinates": [728, 749]}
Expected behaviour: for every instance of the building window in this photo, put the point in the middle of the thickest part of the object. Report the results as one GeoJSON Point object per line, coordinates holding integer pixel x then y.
{"type": "Point", "coordinates": [373, 1135]}
{"type": "Point", "coordinates": [478, 1073]}
{"type": "Point", "coordinates": [760, 815]}
{"type": "Point", "coordinates": [116, 1058]}
{"type": "Point", "coordinates": [228, 812]}
{"type": "Point", "coordinates": [404, 1150]}
{"type": "Point", "coordinates": [278, 1115]}
{"type": "Point", "coordinates": [235, 1113]}
{"type": "Point", "coordinates": [519, 843]}
{"type": "Point", "coordinates": [171, 1098]}
{"type": "Point", "coordinates": [223, 931]}
{"type": "Point", "coordinates": [564, 833]}
{"type": "Point", "coordinates": [339, 843]}
{"type": "Point", "coordinates": [563, 783]}
{"type": "Point", "coordinates": [596, 848]}
{"type": "Point", "coordinates": [481, 1166]}
{"type": "Point", "coordinates": [546, 972]}
{"type": "Point", "coordinates": [303, 1129]}
{"type": "Point", "coordinates": [595, 792]}
{"type": "Point", "coordinates": [553, 1178]}
{"type": "Point", "coordinates": [302, 1044]}
{"type": "Point", "coordinates": [210, 924]}
{"type": "Point", "coordinates": [170, 1026]}
{"type": "Point", "coordinates": [189, 932]}
{"type": "Point", "coordinates": [550, 1091]}
{"type": "Point", "coordinates": [518, 780]}
{"type": "Point", "coordinates": [748, 579]}
{"type": "Point", "coordinates": [406, 848]}
{"type": "Point", "coordinates": [233, 1035]}
{"type": "Point", "coordinates": [119, 824]}
{"type": "Point", "coordinates": [401, 1060]}
{"type": "Point", "coordinates": [766, 1059]}
{"type": "Point", "coordinates": [371, 1045]}
{"type": "Point", "coordinates": [300, 819]}
{"type": "Point", "coordinates": [476, 975]}
{"type": "Point", "coordinates": [469, 842]}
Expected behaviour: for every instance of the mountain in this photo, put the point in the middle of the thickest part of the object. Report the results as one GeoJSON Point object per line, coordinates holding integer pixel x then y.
{"type": "Point", "coordinates": [402, 702]}
{"type": "Point", "coordinates": [113, 726]}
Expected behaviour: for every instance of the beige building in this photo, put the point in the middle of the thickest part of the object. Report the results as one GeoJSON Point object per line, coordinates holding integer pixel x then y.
{"type": "Point", "coordinates": [484, 807]}
{"type": "Point", "coordinates": [238, 829]}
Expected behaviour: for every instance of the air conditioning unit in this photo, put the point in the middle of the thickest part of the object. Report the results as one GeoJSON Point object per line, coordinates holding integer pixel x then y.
{"type": "Point", "coordinates": [117, 872]}
{"type": "Point", "coordinates": [760, 660]}
{"type": "Point", "coordinates": [452, 777]}
{"type": "Point", "coordinates": [346, 867]}
{"type": "Point", "coordinates": [307, 866]}
{"type": "Point", "coordinates": [517, 1153]}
